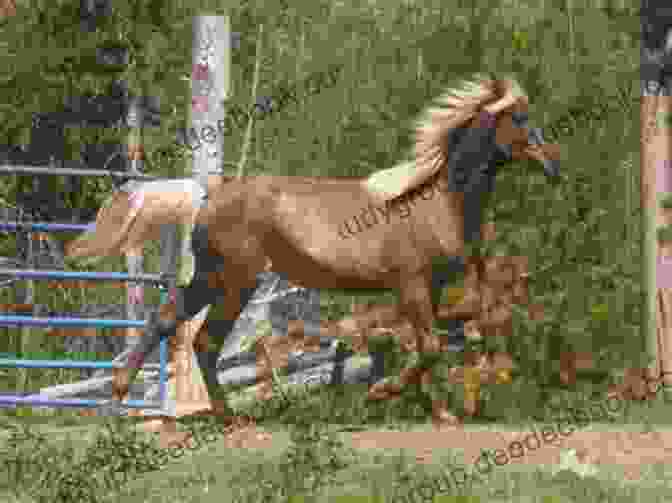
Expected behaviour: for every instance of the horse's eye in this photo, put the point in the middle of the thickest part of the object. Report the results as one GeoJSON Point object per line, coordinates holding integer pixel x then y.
{"type": "Point", "coordinates": [520, 119]}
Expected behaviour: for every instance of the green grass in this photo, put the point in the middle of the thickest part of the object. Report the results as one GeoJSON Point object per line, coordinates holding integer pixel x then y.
{"type": "Point", "coordinates": [310, 456]}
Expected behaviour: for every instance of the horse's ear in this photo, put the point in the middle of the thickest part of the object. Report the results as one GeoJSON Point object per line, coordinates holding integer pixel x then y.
{"type": "Point", "coordinates": [507, 93]}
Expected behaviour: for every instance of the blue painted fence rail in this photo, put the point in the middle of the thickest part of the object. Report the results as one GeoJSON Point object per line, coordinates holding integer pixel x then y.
{"type": "Point", "coordinates": [55, 364]}
{"type": "Point", "coordinates": [45, 227]}
{"type": "Point", "coordinates": [36, 401]}
{"type": "Point", "coordinates": [30, 321]}
{"type": "Point", "coordinates": [75, 275]}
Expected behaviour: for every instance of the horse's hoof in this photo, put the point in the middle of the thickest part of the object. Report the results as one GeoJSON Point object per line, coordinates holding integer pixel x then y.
{"type": "Point", "coordinates": [385, 385]}
{"type": "Point", "coordinates": [376, 395]}
{"type": "Point", "coordinates": [446, 419]}
{"type": "Point", "coordinates": [236, 421]}
{"type": "Point", "coordinates": [441, 415]}
{"type": "Point", "coordinates": [168, 440]}
{"type": "Point", "coordinates": [384, 390]}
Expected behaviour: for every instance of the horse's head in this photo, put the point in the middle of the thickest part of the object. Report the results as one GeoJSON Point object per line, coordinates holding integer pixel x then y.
{"type": "Point", "coordinates": [516, 140]}
{"type": "Point", "coordinates": [457, 134]}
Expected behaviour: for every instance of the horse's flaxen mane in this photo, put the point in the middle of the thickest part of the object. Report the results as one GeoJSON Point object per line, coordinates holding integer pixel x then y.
{"type": "Point", "coordinates": [456, 106]}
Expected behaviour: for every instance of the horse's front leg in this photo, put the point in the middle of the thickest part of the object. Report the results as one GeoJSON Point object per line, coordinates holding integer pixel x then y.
{"type": "Point", "coordinates": [433, 366]}
{"type": "Point", "coordinates": [184, 305]}
{"type": "Point", "coordinates": [416, 307]}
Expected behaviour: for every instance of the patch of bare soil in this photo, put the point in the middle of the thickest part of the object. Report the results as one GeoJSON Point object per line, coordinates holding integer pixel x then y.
{"type": "Point", "coordinates": [626, 449]}
{"type": "Point", "coordinates": [240, 432]}
{"type": "Point", "coordinates": [629, 450]}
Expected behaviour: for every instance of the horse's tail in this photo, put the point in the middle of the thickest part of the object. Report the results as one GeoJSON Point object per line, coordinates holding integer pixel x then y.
{"type": "Point", "coordinates": [112, 228]}
{"type": "Point", "coordinates": [129, 220]}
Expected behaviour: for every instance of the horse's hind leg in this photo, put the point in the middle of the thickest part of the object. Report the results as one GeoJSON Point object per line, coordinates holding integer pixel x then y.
{"type": "Point", "coordinates": [232, 304]}
{"type": "Point", "coordinates": [188, 302]}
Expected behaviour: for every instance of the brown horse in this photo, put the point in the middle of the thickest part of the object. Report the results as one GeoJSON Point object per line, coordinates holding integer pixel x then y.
{"type": "Point", "coordinates": [428, 208]}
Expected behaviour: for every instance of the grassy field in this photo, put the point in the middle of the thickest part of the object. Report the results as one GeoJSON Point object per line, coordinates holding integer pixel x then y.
{"type": "Point", "coordinates": [580, 67]}
{"type": "Point", "coordinates": [311, 457]}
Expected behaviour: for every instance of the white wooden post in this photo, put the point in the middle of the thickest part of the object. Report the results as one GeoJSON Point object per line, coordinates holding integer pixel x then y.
{"type": "Point", "coordinates": [210, 87]}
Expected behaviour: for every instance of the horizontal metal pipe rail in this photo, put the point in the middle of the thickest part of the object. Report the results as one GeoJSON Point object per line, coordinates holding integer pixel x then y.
{"type": "Point", "coordinates": [30, 321]}
{"type": "Point", "coordinates": [18, 169]}
{"type": "Point", "coordinates": [81, 275]}
{"type": "Point", "coordinates": [56, 364]}
{"type": "Point", "coordinates": [9, 401]}
{"type": "Point", "coordinates": [53, 170]}
{"type": "Point", "coordinates": [45, 227]}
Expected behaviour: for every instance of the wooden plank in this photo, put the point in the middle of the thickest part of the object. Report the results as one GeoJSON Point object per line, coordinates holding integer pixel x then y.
{"type": "Point", "coordinates": [69, 332]}
{"type": "Point", "coordinates": [17, 308]}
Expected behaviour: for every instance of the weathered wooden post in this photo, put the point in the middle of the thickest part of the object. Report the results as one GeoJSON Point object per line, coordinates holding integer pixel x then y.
{"type": "Point", "coordinates": [134, 258]}
{"type": "Point", "coordinates": [25, 294]}
{"type": "Point", "coordinates": [656, 153]}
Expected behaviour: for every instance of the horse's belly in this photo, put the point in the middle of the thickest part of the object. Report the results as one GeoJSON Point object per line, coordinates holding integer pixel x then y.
{"type": "Point", "coordinates": [322, 257]}
{"type": "Point", "coordinates": [343, 264]}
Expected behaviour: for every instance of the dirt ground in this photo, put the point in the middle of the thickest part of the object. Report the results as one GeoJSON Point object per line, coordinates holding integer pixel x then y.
{"type": "Point", "coordinates": [627, 449]}
{"type": "Point", "coordinates": [631, 450]}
